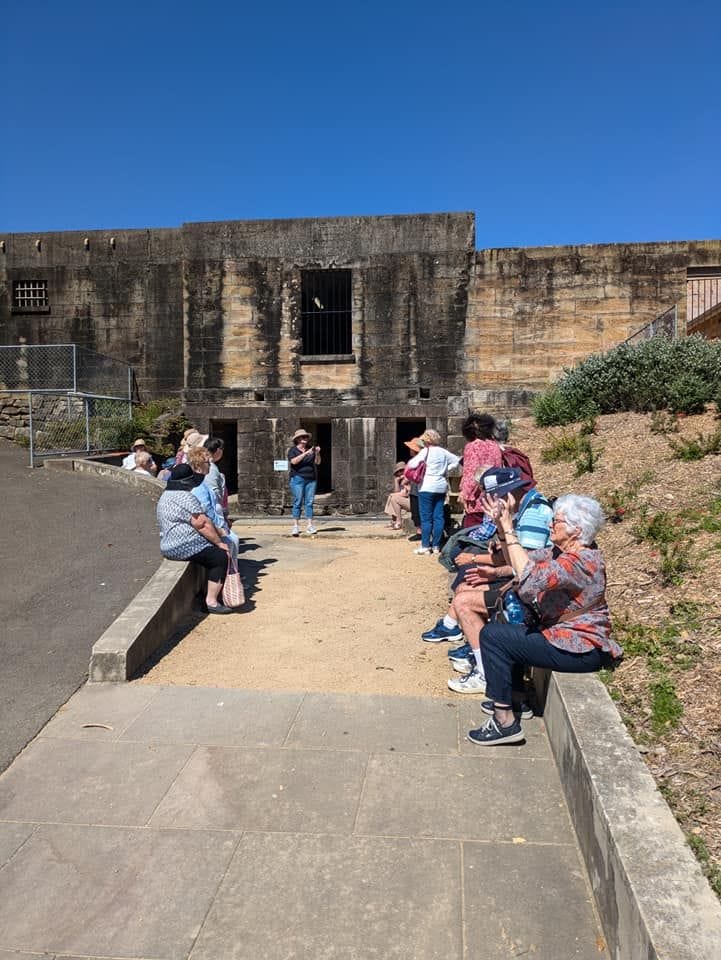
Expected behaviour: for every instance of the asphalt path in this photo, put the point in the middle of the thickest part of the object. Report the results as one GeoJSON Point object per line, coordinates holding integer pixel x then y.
{"type": "Point", "coordinates": [74, 550]}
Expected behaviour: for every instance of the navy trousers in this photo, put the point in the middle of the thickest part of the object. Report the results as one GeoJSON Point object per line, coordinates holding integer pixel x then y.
{"type": "Point", "coordinates": [507, 647]}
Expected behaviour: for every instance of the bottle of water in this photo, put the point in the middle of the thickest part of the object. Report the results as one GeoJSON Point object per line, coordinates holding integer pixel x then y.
{"type": "Point", "coordinates": [513, 608]}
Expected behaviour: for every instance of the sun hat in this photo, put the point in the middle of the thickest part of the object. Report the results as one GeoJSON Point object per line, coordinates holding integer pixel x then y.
{"type": "Point", "coordinates": [416, 444]}
{"type": "Point", "coordinates": [195, 439]}
{"type": "Point", "coordinates": [138, 443]}
{"type": "Point", "coordinates": [501, 480]}
{"type": "Point", "coordinates": [399, 466]}
{"type": "Point", "coordinates": [183, 478]}
{"type": "Point", "coordinates": [300, 433]}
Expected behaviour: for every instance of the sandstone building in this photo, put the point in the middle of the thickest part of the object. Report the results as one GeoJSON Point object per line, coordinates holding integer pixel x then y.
{"type": "Point", "coordinates": [362, 329]}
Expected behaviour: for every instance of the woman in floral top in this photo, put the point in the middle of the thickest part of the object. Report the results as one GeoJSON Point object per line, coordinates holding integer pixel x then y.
{"type": "Point", "coordinates": [479, 454]}
{"type": "Point", "coordinates": [565, 584]}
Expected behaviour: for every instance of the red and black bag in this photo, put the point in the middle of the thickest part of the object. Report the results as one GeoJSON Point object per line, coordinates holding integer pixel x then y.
{"type": "Point", "coordinates": [516, 459]}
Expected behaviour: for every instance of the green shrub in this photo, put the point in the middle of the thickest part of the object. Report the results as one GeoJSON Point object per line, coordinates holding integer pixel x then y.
{"type": "Point", "coordinates": [641, 377]}
{"type": "Point", "coordinates": [698, 448]}
{"type": "Point", "coordinates": [675, 561]}
{"type": "Point", "coordinates": [663, 423]}
{"type": "Point", "coordinates": [689, 394]}
{"type": "Point", "coordinates": [586, 462]}
{"type": "Point", "coordinates": [657, 529]}
{"type": "Point", "coordinates": [564, 448]}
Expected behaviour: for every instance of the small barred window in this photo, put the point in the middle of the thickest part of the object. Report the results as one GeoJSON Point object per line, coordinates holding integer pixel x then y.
{"type": "Point", "coordinates": [32, 293]}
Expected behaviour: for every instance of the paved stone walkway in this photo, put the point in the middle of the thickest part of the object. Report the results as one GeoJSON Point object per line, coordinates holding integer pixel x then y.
{"type": "Point", "coordinates": [171, 822]}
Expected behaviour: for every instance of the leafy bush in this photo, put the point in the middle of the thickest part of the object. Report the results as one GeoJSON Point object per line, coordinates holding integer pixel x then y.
{"type": "Point", "coordinates": [689, 394]}
{"type": "Point", "coordinates": [698, 448]}
{"type": "Point", "coordinates": [564, 448]}
{"type": "Point", "coordinates": [641, 377]}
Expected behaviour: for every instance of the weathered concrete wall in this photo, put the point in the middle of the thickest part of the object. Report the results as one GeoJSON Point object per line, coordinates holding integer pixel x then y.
{"type": "Point", "coordinates": [124, 300]}
{"type": "Point", "coordinates": [534, 311]}
{"type": "Point", "coordinates": [212, 310]}
{"type": "Point", "coordinates": [363, 451]}
{"type": "Point", "coordinates": [242, 294]}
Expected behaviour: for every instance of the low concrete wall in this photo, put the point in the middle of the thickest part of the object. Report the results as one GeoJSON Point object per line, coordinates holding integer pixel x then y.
{"type": "Point", "coordinates": [164, 603]}
{"type": "Point", "coordinates": [653, 900]}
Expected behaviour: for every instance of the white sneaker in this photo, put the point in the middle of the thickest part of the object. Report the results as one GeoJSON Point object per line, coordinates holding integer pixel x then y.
{"type": "Point", "coordinates": [436, 550]}
{"type": "Point", "coordinates": [464, 666]}
{"type": "Point", "coordinates": [296, 530]}
{"type": "Point", "coordinates": [474, 682]}
{"type": "Point", "coordinates": [422, 550]}
{"type": "Point", "coordinates": [311, 529]}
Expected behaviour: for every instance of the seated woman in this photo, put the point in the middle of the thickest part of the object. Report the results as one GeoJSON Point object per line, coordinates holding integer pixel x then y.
{"type": "Point", "coordinates": [565, 584]}
{"type": "Point", "coordinates": [187, 534]}
{"type": "Point", "coordinates": [400, 499]}
{"type": "Point", "coordinates": [199, 460]}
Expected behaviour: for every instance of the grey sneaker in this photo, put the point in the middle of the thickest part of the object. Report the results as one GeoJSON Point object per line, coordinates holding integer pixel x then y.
{"type": "Point", "coordinates": [473, 682]}
{"type": "Point", "coordinates": [521, 710]}
{"type": "Point", "coordinates": [296, 530]}
{"type": "Point", "coordinates": [311, 529]}
{"type": "Point", "coordinates": [492, 733]}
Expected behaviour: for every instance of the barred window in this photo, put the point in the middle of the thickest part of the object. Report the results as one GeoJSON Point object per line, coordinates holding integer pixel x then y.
{"type": "Point", "coordinates": [31, 293]}
{"type": "Point", "coordinates": [326, 312]}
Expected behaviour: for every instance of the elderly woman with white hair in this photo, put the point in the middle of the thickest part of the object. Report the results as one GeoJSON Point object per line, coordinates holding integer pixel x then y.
{"type": "Point", "coordinates": [432, 489]}
{"type": "Point", "coordinates": [564, 585]}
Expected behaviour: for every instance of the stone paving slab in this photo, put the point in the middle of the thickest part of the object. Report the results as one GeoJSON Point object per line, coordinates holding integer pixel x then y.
{"type": "Point", "coordinates": [111, 891]}
{"type": "Point", "coordinates": [337, 897]}
{"type": "Point", "coordinates": [527, 901]}
{"type": "Point", "coordinates": [273, 825]}
{"type": "Point", "coordinates": [12, 837]}
{"type": "Point", "coordinates": [408, 724]}
{"type": "Point", "coordinates": [207, 715]}
{"type": "Point", "coordinates": [410, 796]}
{"type": "Point", "coordinates": [100, 711]}
{"type": "Point", "coordinates": [301, 791]}
{"type": "Point", "coordinates": [76, 781]}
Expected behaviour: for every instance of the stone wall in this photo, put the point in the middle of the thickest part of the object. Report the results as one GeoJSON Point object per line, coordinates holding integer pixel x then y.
{"type": "Point", "coordinates": [212, 311]}
{"type": "Point", "coordinates": [534, 311]}
{"type": "Point", "coordinates": [118, 293]}
{"type": "Point", "coordinates": [410, 282]}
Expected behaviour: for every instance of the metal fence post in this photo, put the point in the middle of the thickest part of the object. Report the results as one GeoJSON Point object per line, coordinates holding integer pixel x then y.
{"type": "Point", "coordinates": [75, 368]}
{"type": "Point", "coordinates": [130, 393]}
{"type": "Point", "coordinates": [87, 424]}
{"type": "Point", "coordinates": [30, 428]}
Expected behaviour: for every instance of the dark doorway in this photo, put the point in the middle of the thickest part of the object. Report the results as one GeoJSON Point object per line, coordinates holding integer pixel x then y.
{"type": "Point", "coordinates": [320, 432]}
{"type": "Point", "coordinates": [227, 431]}
{"type": "Point", "coordinates": [406, 430]}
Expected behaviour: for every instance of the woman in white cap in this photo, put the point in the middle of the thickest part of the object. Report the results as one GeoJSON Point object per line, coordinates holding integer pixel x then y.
{"type": "Point", "coordinates": [303, 463]}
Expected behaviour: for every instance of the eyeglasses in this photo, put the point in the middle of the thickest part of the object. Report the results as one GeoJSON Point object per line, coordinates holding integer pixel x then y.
{"type": "Point", "coordinates": [557, 520]}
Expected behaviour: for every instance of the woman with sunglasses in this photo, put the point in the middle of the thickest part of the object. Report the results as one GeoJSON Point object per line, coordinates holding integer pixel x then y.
{"type": "Point", "coordinates": [565, 585]}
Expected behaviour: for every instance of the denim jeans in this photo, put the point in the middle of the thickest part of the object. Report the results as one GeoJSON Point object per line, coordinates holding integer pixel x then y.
{"type": "Point", "coordinates": [506, 647]}
{"type": "Point", "coordinates": [303, 492]}
{"type": "Point", "coordinates": [432, 519]}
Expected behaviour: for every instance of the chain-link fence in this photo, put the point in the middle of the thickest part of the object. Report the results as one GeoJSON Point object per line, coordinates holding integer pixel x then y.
{"type": "Point", "coordinates": [61, 398]}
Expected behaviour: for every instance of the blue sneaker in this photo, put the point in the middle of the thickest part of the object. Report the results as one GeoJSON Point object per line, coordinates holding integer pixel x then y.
{"type": "Point", "coordinates": [439, 633]}
{"type": "Point", "coordinates": [460, 653]}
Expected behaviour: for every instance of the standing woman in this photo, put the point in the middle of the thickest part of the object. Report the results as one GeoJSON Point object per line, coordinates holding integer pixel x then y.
{"type": "Point", "coordinates": [480, 453]}
{"type": "Point", "coordinates": [303, 462]}
{"type": "Point", "coordinates": [433, 489]}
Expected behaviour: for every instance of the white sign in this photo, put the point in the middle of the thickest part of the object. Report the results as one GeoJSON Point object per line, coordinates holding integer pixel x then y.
{"type": "Point", "coordinates": [280, 466]}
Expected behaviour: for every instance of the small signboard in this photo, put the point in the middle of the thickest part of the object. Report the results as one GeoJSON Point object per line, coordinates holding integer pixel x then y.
{"type": "Point", "coordinates": [280, 466]}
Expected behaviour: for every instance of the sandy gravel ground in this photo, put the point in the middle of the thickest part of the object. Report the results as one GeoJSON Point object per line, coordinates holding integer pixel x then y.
{"type": "Point", "coordinates": [336, 613]}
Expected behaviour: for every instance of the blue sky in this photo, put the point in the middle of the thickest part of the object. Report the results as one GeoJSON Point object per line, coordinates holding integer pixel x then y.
{"type": "Point", "coordinates": [555, 122]}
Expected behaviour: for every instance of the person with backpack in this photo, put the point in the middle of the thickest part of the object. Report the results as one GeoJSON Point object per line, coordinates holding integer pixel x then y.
{"type": "Point", "coordinates": [480, 452]}
{"type": "Point", "coordinates": [483, 582]}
